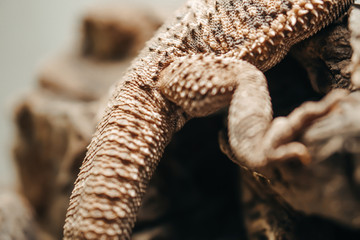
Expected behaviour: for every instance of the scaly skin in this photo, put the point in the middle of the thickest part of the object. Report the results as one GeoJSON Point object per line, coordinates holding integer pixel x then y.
{"type": "Point", "coordinates": [216, 47]}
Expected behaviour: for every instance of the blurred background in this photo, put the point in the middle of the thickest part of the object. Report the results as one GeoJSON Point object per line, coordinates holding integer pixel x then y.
{"type": "Point", "coordinates": [31, 31]}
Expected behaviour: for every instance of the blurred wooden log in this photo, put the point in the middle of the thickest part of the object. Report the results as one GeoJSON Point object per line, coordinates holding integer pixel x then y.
{"type": "Point", "coordinates": [112, 32]}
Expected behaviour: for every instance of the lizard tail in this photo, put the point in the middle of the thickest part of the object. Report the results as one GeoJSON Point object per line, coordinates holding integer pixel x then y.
{"type": "Point", "coordinates": [121, 159]}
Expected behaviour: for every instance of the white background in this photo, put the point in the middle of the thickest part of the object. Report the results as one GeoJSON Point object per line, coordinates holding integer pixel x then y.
{"type": "Point", "coordinates": [30, 31]}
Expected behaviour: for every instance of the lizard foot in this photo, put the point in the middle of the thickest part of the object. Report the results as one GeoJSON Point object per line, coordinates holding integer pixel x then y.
{"type": "Point", "coordinates": [278, 141]}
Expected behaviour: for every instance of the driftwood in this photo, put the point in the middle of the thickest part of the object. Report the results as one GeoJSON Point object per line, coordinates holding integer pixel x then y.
{"type": "Point", "coordinates": [321, 200]}
{"type": "Point", "coordinates": [197, 193]}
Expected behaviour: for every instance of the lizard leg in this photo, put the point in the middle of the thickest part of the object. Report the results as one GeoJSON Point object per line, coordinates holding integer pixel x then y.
{"type": "Point", "coordinates": [201, 85]}
{"type": "Point", "coordinates": [258, 145]}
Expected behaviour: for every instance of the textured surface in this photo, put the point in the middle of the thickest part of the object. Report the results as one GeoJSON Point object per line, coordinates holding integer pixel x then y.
{"type": "Point", "coordinates": [56, 120]}
{"type": "Point", "coordinates": [139, 120]}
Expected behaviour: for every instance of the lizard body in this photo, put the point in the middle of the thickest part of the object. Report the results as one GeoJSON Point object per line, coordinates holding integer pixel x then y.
{"type": "Point", "coordinates": [200, 60]}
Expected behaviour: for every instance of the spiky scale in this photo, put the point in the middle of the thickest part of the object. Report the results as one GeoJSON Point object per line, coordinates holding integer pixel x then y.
{"type": "Point", "coordinates": [140, 121]}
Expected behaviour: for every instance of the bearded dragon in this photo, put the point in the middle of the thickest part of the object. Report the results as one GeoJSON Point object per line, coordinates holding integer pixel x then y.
{"type": "Point", "coordinates": [210, 55]}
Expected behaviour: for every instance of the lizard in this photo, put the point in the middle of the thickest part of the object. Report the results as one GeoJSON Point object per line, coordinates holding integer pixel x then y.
{"type": "Point", "coordinates": [211, 54]}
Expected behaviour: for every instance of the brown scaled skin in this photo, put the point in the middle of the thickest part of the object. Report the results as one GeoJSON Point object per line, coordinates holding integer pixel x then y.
{"type": "Point", "coordinates": [205, 58]}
